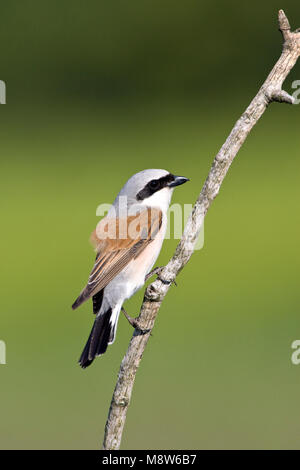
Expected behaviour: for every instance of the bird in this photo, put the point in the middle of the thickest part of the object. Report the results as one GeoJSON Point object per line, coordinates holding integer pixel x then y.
{"type": "Point", "coordinates": [127, 242]}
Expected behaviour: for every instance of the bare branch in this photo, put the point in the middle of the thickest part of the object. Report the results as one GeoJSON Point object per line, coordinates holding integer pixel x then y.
{"type": "Point", "coordinates": [284, 24]}
{"type": "Point", "coordinates": [270, 91]}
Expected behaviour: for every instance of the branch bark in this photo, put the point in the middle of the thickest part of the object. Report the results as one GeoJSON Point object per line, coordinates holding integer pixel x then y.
{"type": "Point", "coordinates": [270, 91]}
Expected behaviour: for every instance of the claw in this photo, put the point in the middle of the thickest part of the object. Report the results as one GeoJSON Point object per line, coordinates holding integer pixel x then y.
{"type": "Point", "coordinates": [154, 271]}
{"type": "Point", "coordinates": [158, 272]}
{"type": "Point", "coordinates": [134, 323]}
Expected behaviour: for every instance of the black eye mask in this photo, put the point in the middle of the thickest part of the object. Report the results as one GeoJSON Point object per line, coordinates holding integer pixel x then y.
{"type": "Point", "coordinates": [155, 185]}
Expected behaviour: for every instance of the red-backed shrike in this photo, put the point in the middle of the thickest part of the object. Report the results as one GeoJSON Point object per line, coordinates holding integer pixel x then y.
{"type": "Point", "coordinates": [127, 242]}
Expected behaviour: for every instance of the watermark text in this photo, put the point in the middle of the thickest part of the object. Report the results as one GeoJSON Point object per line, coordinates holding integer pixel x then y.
{"type": "Point", "coordinates": [2, 92]}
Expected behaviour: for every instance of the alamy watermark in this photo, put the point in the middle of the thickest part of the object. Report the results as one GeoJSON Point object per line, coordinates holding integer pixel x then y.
{"type": "Point", "coordinates": [2, 352]}
{"type": "Point", "coordinates": [295, 358]}
{"type": "Point", "coordinates": [2, 92]}
{"type": "Point", "coordinates": [296, 94]}
{"type": "Point", "coordinates": [133, 222]}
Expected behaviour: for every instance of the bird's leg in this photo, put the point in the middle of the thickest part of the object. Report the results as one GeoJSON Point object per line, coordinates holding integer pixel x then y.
{"type": "Point", "coordinates": [158, 272]}
{"type": "Point", "coordinates": [133, 322]}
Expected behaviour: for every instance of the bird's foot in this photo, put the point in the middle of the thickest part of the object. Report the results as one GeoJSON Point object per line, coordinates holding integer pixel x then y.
{"type": "Point", "coordinates": [158, 271]}
{"type": "Point", "coordinates": [134, 323]}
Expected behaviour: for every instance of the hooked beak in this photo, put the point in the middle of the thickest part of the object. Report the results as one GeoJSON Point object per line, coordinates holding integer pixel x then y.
{"type": "Point", "coordinates": [178, 180]}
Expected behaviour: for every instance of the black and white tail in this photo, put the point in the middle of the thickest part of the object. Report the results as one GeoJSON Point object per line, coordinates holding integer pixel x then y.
{"type": "Point", "coordinates": [102, 334]}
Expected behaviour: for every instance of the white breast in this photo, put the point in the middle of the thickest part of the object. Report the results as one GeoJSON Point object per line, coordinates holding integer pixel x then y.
{"type": "Point", "coordinates": [132, 278]}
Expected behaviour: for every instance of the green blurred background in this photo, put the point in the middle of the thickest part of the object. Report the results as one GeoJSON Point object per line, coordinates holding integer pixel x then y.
{"type": "Point", "coordinates": [97, 91]}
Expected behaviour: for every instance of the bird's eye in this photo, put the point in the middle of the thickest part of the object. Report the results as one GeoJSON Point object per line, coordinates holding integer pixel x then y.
{"type": "Point", "coordinates": [154, 184]}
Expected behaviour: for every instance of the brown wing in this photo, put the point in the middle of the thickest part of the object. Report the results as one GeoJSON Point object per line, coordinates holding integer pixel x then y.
{"type": "Point", "coordinates": [123, 240]}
